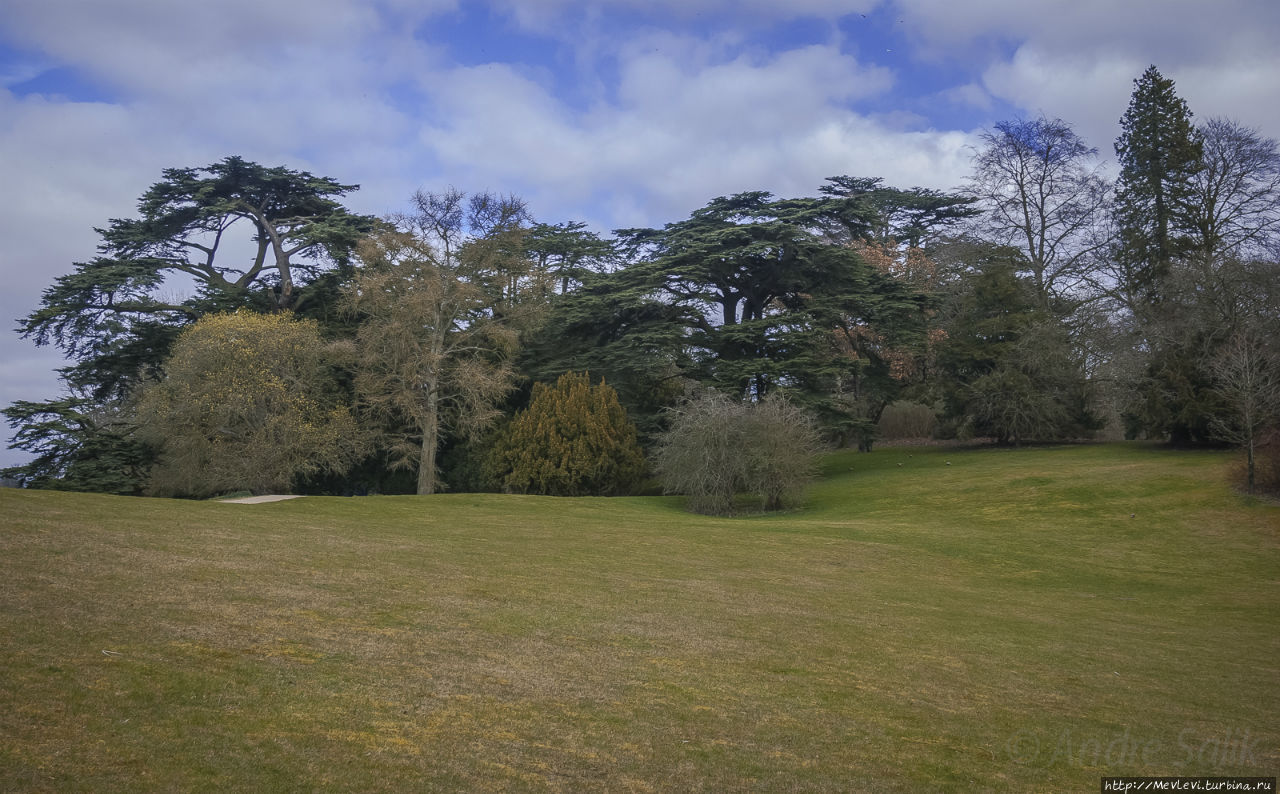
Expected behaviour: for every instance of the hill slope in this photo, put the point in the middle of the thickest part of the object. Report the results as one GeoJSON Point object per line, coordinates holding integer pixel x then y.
{"type": "Point", "coordinates": [1016, 620]}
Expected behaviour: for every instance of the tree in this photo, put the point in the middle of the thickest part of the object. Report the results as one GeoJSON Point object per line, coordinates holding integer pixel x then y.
{"type": "Point", "coordinates": [248, 401]}
{"type": "Point", "coordinates": [1036, 392]}
{"type": "Point", "coordinates": [1042, 192]}
{"type": "Point", "coordinates": [110, 315]}
{"type": "Point", "coordinates": [564, 253]}
{"type": "Point", "coordinates": [1247, 377]}
{"type": "Point", "coordinates": [761, 288]}
{"type": "Point", "coordinates": [434, 352]}
{"type": "Point", "coordinates": [78, 445]}
{"type": "Point", "coordinates": [1205, 302]}
{"type": "Point", "coordinates": [108, 312]}
{"type": "Point", "coordinates": [1008, 367]}
{"type": "Point", "coordinates": [1235, 206]}
{"type": "Point", "coordinates": [865, 209]}
{"type": "Point", "coordinates": [1159, 152]}
{"type": "Point", "coordinates": [1218, 283]}
{"type": "Point", "coordinates": [752, 294]}
{"type": "Point", "coordinates": [574, 439]}
{"type": "Point", "coordinates": [718, 447]}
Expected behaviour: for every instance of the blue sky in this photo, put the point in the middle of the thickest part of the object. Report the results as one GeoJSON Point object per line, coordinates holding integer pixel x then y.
{"type": "Point", "coordinates": [621, 113]}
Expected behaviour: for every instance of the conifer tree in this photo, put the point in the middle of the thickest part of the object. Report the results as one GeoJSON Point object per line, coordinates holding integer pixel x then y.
{"type": "Point", "coordinates": [574, 439]}
{"type": "Point", "coordinates": [1159, 152]}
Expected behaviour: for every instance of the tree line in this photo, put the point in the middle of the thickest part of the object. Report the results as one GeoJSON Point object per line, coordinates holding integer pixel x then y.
{"type": "Point", "coordinates": [449, 345]}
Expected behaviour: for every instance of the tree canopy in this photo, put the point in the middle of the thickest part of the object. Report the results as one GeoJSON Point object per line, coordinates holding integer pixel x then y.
{"type": "Point", "coordinates": [110, 313]}
{"type": "Point", "coordinates": [248, 402]}
{"type": "Point", "coordinates": [433, 348]}
{"type": "Point", "coordinates": [1037, 302]}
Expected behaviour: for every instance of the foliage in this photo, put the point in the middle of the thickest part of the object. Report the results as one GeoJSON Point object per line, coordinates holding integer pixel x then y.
{"type": "Point", "coordinates": [434, 352]}
{"type": "Point", "coordinates": [1036, 393]}
{"type": "Point", "coordinates": [574, 439]}
{"type": "Point", "coordinates": [1009, 369]}
{"type": "Point", "coordinates": [78, 446]}
{"type": "Point", "coordinates": [907, 420]}
{"type": "Point", "coordinates": [112, 317]}
{"type": "Point", "coordinates": [565, 253]}
{"type": "Point", "coordinates": [865, 209]}
{"type": "Point", "coordinates": [246, 403]}
{"type": "Point", "coordinates": [1205, 303]}
{"type": "Point", "coordinates": [749, 295]}
{"type": "Point", "coordinates": [718, 447]}
{"type": "Point", "coordinates": [1159, 152]}
{"type": "Point", "coordinates": [108, 312]}
{"type": "Point", "coordinates": [1266, 463]}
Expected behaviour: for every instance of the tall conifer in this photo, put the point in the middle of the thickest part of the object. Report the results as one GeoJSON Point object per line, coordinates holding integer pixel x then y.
{"type": "Point", "coordinates": [1159, 153]}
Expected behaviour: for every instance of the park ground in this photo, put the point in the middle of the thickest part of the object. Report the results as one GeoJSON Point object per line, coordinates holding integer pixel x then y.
{"type": "Point", "coordinates": [933, 619]}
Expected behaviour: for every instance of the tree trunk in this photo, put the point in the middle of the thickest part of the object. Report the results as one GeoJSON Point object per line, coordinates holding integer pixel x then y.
{"type": "Point", "coordinates": [1250, 465]}
{"type": "Point", "coordinates": [430, 440]}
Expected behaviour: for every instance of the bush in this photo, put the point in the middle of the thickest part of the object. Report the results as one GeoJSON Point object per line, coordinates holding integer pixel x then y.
{"type": "Point", "coordinates": [903, 419]}
{"type": "Point", "coordinates": [574, 439]}
{"type": "Point", "coordinates": [718, 448]}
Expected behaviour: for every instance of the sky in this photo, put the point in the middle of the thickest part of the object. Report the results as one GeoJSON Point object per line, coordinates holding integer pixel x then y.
{"type": "Point", "coordinates": [618, 113]}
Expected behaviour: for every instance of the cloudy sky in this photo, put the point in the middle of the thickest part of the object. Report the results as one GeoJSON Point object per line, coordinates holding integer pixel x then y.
{"type": "Point", "coordinates": [614, 112]}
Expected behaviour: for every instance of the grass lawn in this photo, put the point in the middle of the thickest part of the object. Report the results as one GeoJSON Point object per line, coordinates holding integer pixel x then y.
{"type": "Point", "coordinates": [1018, 620]}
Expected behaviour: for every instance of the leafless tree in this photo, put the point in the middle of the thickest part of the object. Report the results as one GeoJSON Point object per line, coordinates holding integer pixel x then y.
{"type": "Point", "coordinates": [718, 448]}
{"type": "Point", "coordinates": [434, 349]}
{"type": "Point", "coordinates": [1247, 378]}
{"type": "Point", "coordinates": [1043, 193]}
{"type": "Point", "coordinates": [1236, 199]}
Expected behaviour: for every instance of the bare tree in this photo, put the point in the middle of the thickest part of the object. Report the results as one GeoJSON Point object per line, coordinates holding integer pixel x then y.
{"type": "Point", "coordinates": [1247, 377]}
{"type": "Point", "coordinates": [433, 346]}
{"type": "Point", "coordinates": [1236, 192]}
{"type": "Point", "coordinates": [1043, 193]}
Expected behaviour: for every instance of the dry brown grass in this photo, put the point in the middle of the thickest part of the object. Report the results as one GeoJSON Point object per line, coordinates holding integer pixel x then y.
{"type": "Point", "coordinates": [996, 624]}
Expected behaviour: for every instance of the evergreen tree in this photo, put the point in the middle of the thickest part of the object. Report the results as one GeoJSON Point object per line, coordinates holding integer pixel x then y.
{"type": "Point", "coordinates": [750, 294]}
{"type": "Point", "coordinates": [574, 439]}
{"type": "Point", "coordinates": [112, 315]}
{"type": "Point", "coordinates": [1160, 153]}
{"type": "Point", "coordinates": [79, 445]}
{"type": "Point", "coordinates": [1009, 369]}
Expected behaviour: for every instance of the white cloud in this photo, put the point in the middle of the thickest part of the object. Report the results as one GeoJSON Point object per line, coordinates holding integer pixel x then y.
{"type": "Point", "coordinates": [683, 128]}
{"type": "Point", "coordinates": [547, 16]}
{"type": "Point", "coordinates": [969, 95]}
{"type": "Point", "coordinates": [1159, 30]}
{"type": "Point", "coordinates": [1077, 59]}
{"type": "Point", "coordinates": [1091, 94]}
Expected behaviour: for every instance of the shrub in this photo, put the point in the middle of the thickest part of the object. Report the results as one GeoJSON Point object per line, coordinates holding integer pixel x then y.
{"type": "Point", "coordinates": [904, 419]}
{"type": "Point", "coordinates": [718, 448]}
{"type": "Point", "coordinates": [574, 439]}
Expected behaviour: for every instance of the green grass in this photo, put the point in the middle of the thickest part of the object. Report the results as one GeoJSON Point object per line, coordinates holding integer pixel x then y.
{"type": "Point", "coordinates": [1018, 620]}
